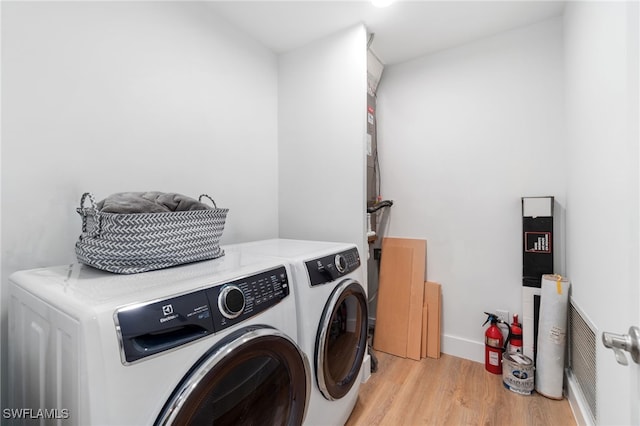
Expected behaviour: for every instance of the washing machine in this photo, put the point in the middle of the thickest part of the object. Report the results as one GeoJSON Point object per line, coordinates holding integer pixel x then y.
{"type": "Point", "coordinates": [332, 320]}
{"type": "Point", "coordinates": [210, 342]}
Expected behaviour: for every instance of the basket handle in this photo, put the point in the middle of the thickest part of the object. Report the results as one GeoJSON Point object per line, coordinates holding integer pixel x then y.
{"type": "Point", "coordinates": [91, 199]}
{"type": "Point", "coordinates": [82, 210]}
{"type": "Point", "coordinates": [205, 195]}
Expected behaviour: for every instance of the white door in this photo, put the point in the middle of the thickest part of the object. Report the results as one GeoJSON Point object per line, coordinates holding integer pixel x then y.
{"type": "Point", "coordinates": [619, 381]}
{"type": "Point", "coordinates": [619, 386]}
{"type": "Point", "coordinates": [634, 72]}
{"type": "Point", "coordinates": [603, 192]}
{"type": "Point", "coordinates": [619, 373]}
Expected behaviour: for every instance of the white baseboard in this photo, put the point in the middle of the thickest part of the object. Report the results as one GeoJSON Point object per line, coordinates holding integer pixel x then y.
{"type": "Point", "coordinates": [463, 348]}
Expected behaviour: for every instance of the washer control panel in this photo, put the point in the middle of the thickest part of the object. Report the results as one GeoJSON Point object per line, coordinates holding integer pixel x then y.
{"type": "Point", "coordinates": [246, 297]}
{"type": "Point", "coordinates": [150, 328]}
{"type": "Point", "coordinates": [331, 267]}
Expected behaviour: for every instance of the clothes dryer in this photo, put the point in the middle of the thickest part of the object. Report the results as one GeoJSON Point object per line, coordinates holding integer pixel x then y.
{"type": "Point", "coordinates": [210, 342]}
{"type": "Point", "coordinates": [332, 320]}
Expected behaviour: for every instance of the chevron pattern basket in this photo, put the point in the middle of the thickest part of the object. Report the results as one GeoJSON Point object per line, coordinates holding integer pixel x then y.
{"type": "Point", "coordinates": [139, 242]}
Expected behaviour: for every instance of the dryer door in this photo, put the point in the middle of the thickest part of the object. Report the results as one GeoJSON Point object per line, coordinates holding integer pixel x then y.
{"type": "Point", "coordinates": [257, 375]}
{"type": "Point", "coordinates": [341, 341]}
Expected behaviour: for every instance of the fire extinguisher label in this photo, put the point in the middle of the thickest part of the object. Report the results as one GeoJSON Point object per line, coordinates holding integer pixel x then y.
{"type": "Point", "coordinates": [494, 343]}
{"type": "Point", "coordinates": [494, 358]}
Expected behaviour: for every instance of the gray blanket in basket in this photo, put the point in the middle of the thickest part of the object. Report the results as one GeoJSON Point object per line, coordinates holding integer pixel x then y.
{"type": "Point", "coordinates": [149, 202]}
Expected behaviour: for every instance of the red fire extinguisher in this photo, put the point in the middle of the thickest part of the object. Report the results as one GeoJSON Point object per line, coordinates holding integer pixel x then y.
{"type": "Point", "coordinates": [514, 339]}
{"type": "Point", "coordinates": [493, 342]}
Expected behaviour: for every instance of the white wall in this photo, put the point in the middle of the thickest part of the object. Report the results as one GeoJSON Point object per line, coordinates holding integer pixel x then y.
{"type": "Point", "coordinates": [602, 188]}
{"type": "Point", "coordinates": [322, 113]}
{"type": "Point", "coordinates": [108, 97]}
{"type": "Point", "coordinates": [463, 134]}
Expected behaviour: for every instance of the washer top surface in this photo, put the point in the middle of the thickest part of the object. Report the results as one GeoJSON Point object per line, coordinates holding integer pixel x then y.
{"type": "Point", "coordinates": [294, 250]}
{"type": "Point", "coordinates": [89, 287]}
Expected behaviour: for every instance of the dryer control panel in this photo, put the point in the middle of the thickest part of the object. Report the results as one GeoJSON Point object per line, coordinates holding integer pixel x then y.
{"type": "Point", "coordinates": [148, 329]}
{"type": "Point", "coordinates": [331, 267]}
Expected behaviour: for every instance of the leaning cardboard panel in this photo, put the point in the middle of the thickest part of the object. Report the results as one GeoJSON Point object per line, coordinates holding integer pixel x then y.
{"type": "Point", "coordinates": [433, 302]}
{"type": "Point", "coordinates": [400, 297]}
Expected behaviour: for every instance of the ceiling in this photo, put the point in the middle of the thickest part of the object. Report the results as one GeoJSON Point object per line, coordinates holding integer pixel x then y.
{"type": "Point", "coordinates": [403, 31]}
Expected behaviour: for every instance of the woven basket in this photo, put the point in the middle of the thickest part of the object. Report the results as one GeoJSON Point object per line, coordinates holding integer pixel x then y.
{"type": "Point", "coordinates": [139, 242]}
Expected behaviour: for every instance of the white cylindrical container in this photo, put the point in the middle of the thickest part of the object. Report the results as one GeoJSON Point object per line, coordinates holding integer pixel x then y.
{"type": "Point", "coordinates": [517, 373]}
{"type": "Point", "coordinates": [552, 336]}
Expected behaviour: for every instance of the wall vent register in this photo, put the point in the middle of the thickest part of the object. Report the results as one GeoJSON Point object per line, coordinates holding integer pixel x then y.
{"type": "Point", "coordinates": [154, 327]}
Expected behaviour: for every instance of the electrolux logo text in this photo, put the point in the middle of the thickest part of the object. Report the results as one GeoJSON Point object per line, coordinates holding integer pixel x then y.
{"type": "Point", "coordinates": [167, 311]}
{"type": "Point", "coordinates": [40, 413]}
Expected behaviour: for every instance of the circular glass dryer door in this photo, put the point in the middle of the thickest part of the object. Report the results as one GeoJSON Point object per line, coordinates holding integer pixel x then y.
{"type": "Point", "coordinates": [341, 340]}
{"type": "Point", "coordinates": [257, 375]}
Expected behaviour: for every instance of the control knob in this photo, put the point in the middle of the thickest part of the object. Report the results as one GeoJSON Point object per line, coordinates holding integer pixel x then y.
{"type": "Point", "coordinates": [341, 263]}
{"type": "Point", "coordinates": [231, 301]}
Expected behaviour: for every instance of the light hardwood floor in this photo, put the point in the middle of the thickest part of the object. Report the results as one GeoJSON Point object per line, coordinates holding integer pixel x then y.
{"type": "Point", "coordinates": [448, 391]}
